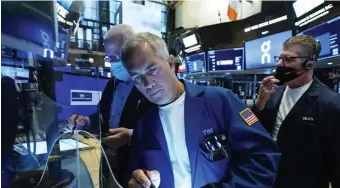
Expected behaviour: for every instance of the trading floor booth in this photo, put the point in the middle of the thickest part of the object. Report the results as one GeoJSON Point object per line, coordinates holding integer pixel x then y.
{"type": "Point", "coordinates": [40, 146]}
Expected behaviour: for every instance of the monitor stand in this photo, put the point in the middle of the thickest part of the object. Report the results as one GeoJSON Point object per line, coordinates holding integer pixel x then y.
{"type": "Point", "coordinates": [30, 179]}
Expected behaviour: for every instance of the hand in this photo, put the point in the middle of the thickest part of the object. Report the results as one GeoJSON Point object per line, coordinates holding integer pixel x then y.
{"type": "Point", "coordinates": [266, 90]}
{"type": "Point", "coordinates": [118, 137]}
{"type": "Point", "coordinates": [139, 179]}
{"type": "Point", "coordinates": [82, 121]}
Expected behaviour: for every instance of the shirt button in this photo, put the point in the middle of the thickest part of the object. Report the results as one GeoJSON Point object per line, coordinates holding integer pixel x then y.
{"type": "Point", "coordinates": [122, 97]}
{"type": "Point", "coordinates": [118, 113]}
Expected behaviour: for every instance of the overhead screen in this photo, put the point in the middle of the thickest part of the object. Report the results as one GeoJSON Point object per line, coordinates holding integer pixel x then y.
{"type": "Point", "coordinates": [143, 18]}
{"type": "Point", "coordinates": [301, 7]}
{"type": "Point", "coordinates": [190, 40]}
{"type": "Point", "coordinates": [62, 44]}
{"type": "Point", "coordinates": [28, 25]}
{"type": "Point", "coordinates": [259, 53]}
{"type": "Point", "coordinates": [195, 63]}
{"type": "Point", "coordinates": [226, 59]}
{"type": "Point", "coordinates": [328, 34]}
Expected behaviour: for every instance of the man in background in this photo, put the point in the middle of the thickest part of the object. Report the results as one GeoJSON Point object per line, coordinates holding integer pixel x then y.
{"type": "Point", "coordinates": [303, 118]}
{"type": "Point", "coordinates": [120, 107]}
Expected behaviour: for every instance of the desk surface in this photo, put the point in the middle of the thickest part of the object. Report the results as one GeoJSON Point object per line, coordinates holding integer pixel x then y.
{"type": "Point", "coordinates": [91, 159]}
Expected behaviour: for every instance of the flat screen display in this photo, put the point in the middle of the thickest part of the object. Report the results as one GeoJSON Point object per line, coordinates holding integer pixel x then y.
{"type": "Point", "coordinates": [62, 44]}
{"type": "Point", "coordinates": [14, 72]}
{"type": "Point", "coordinates": [78, 94]}
{"type": "Point", "coordinates": [259, 53]}
{"type": "Point", "coordinates": [143, 18]}
{"type": "Point", "coordinates": [301, 7]}
{"type": "Point", "coordinates": [225, 59]}
{"type": "Point", "coordinates": [195, 63]}
{"type": "Point", "coordinates": [28, 25]}
{"type": "Point", "coordinates": [190, 40]}
{"type": "Point", "coordinates": [327, 34]}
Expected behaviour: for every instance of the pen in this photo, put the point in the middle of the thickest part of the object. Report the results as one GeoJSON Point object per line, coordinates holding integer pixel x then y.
{"type": "Point", "coordinates": [146, 174]}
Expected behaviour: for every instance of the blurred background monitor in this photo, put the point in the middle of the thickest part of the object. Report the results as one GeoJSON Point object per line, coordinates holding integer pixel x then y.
{"type": "Point", "coordinates": [79, 94]}
{"type": "Point", "coordinates": [301, 7]}
{"type": "Point", "coordinates": [225, 59]}
{"type": "Point", "coordinates": [327, 34]}
{"type": "Point", "coordinates": [196, 63]}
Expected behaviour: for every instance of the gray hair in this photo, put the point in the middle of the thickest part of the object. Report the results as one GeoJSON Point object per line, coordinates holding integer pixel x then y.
{"type": "Point", "coordinates": [155, 42]}
{"type": "Point", "coordinates": [312, 47]}
{"type": "Point", "coordinates": [122, 29]}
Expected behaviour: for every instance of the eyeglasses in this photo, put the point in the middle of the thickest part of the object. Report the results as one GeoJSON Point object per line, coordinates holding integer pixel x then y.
{"type": "Point", "coordinates": [288, 59]}
{"type": "Point", "coordinates": [111, 58]}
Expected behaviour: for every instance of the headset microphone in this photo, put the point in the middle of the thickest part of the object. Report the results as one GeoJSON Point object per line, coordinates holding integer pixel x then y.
{"type": "Point", "coordinates": [294, 71]}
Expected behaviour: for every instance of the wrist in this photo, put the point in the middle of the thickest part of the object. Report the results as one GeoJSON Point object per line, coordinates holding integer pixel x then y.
{"type": "Point", "coordinates": [259, 105]}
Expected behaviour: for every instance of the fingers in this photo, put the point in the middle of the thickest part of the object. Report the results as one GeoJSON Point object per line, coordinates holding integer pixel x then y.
{"type": "Point", "coordinates": [117, 130]}
{"type": "Point", "coordinates": [155, 177]}
{"type": "Point", "coordinates": [269, 82]}
{"type": "Point", "coordinates": [141, 178]}
{"type": "Point", "coordinates": [134, 184]}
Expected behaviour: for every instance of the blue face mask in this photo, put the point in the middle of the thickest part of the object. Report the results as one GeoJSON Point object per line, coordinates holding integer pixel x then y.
{"type": "Point", "coordinates": [119, 71]}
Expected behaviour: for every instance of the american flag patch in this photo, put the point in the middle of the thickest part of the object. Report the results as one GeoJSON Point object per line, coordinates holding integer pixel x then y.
{"type": "Point", "coordinates": [248, 116]}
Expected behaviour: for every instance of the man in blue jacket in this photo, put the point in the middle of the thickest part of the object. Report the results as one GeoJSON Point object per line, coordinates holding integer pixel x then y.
{"type": "Point", "coordinates": [197, 136]}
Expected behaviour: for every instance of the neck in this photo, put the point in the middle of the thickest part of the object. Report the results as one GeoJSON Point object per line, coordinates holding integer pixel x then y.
{"type": "Point", "coordinates": [301, 81]}
{"type": "Point", "coordinates": [180, 89]}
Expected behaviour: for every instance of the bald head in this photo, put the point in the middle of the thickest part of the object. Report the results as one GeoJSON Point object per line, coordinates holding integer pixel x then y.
{"type": "Point", "coordinates": [115, 38]}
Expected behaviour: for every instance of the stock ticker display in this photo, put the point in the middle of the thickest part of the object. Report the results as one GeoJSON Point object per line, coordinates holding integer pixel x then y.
{"type": "Point", "coordinates": [327, 34]}
{"type": "Point", "coordinates": [196, 63]}
{"type": "Point", "coordinates": [225, 59]}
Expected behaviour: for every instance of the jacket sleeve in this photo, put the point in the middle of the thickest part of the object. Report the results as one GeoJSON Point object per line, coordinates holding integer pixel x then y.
{"type": "Point", "coordinates": [135, 144]}
{"type": "Point", "coordinates": [101, 116]}
{"type": "Point", "coordinates": [254, 154]}
{"type": "Point", "coordinates": [332, 146]}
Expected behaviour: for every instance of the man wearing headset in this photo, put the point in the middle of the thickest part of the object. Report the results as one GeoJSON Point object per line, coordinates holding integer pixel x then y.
{"type": "Point", "coordinates": [303, 117]}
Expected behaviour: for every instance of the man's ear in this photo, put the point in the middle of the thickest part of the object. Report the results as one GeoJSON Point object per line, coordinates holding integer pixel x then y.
{"type": "Point", "coordinates": [172, 61]}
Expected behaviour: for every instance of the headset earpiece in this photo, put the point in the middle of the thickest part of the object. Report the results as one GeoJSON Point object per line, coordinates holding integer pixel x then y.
{"type": "Point", "coordinates": [308, 65]}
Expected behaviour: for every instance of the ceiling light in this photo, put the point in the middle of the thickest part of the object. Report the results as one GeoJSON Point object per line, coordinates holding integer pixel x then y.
{"type": "Point", "coordinates": [329, 63]}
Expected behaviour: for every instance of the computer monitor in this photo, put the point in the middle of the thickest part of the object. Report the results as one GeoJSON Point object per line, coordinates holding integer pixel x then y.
{"type": "Point", "coordinates": [259, 53]}
{"type": "Point", "coordinates": [225, 59]}
{"type": "Point", "coordinates": [78, 94]}
{"type": "Point", "coordinates": [196, 63]}
{"type": "Point", "coordinates": [328, 34]}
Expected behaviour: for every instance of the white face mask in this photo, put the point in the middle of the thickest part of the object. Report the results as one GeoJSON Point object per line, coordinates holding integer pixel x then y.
{"type": "Point", "coordinates": [119, 71]}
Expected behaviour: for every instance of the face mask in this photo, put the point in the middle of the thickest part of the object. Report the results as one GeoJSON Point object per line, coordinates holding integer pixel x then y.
{"type": "Point", "coordinates": [119, 71]}
{"type": "Point", "coordinates": [286, 74]}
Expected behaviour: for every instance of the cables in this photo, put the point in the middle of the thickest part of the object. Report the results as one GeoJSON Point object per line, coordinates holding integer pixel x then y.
{"type": "Point", "coordinates": [32, 155]}
{"type": "Point", "coordinates": [77, 136]}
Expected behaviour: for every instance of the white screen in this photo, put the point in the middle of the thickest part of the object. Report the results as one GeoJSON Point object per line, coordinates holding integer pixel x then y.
{"type": "Point", "coordinates": [190, 41]}
{"type": "Point", "coordinates": [302, 6]}
{"type": "Point", "coordinates": [65, 145]}
{"type": "Point", "coordinates": [142, 18]}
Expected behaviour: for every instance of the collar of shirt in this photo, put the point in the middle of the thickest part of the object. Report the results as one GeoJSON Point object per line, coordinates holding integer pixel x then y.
{"type": "Point", "coordinates": [129, 82]}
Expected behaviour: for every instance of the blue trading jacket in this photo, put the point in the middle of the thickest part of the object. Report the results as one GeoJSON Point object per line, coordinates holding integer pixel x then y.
{"type": "Point", "coordinates": [253, 155]}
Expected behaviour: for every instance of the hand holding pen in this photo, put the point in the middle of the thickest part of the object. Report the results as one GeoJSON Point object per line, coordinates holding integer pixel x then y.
{"type": "Point", "coordinates": [142, 178]}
